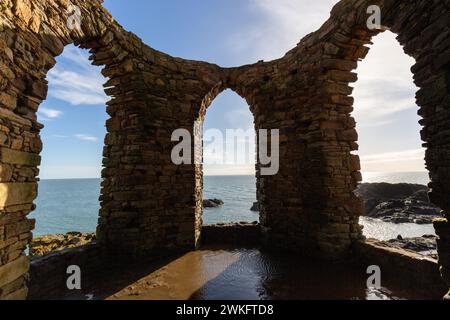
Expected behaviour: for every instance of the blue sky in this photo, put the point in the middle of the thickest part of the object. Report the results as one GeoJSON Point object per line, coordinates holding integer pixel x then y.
{"type": "Point", "coordinates": [229, 33]}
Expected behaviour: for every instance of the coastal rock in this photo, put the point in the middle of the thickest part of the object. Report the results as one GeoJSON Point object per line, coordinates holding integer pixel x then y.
{"type": "Point", "coordinates": [421, 195]}
{"type": "Point", "coordinates": [398, 203]}
{"type": "Point", "coordinates": [255, 207]}
{"type": "Point", "coordinates": [405, 211]}
{"type": "Point", "coordinates": [49, 243]}
{"type": "Point", "coordinates": [375, 193]}
{"type": "Point", "coordinates": [212, 203]}
{"type": "Point", "coordinates": [426, 245]}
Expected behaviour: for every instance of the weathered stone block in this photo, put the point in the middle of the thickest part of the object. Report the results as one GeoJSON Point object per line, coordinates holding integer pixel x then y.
{"type": "Point", "coordinates": [8, 101]}
{"type": "Point", "coordinates": [17, 193]}
{"type": "Point", "coordinates": [18, 157]}
{"type": "Point", "coordinates": [20, 294]}
{"type": "Point", "coordinates": [5, 173]}
{"type": "Point", "coordinates": [23, 10]}
{"type": "Point", "coordinates": [14, 270]}
{"type": "Point", "coordinates": [148, 201]}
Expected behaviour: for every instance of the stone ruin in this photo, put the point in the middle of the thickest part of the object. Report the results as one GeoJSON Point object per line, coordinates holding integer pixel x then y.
{"type": "Point", "coordinates": [148, 204]}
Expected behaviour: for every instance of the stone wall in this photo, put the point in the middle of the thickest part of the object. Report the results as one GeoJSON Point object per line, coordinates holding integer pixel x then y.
{"type": "Point", "coordinates": [48, 274]}
{"type": "Point", "coordinates": [407, 269]}
{"type": "Point", "coordinates": [234, 234]}
{"type": "Point", "coordinates": [148, 203]}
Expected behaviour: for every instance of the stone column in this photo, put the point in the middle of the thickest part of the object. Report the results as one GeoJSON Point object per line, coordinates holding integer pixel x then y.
{"type": "Point", "coordinates": [19, 148]}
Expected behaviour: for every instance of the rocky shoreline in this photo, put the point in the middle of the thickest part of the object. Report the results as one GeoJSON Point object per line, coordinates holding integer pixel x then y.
{"type": "Point", "coordinates": [398, 203]}
{"type": "Point", "coordinates": [425, 245]}
{"type": "Point", "coordinates": [395, 203]}
{"type": "Point", "coordinates": [402, 203]}
{"type": "Point", "coordinates": [43, 245]}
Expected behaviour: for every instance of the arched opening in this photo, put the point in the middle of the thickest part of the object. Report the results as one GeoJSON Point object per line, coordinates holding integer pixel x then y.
{"type": "Point", "coordinates": [229, 182]}
{"type": "Point", "coordinates": [74, 119]}
{"type": "Point", "coordinates": [139, 191]}
{"type": "Point", "coordinates": [394, 189]}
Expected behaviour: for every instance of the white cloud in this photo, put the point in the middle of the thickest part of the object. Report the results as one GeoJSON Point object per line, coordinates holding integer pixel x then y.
{"type": "Point", "coordinates": [385, 84]}
{"type": "Point", "coordinates": [86, 137]}
{"type": "Point", "coordinates": [401, 161]}
{"type": "Point", "coordinates": [69, 172]}
{"type": "Point", "coordinates": [384, 93]}
{"type": "Point", "coordinates": [229, 170]}
{"type": "Point", "coordinates": [49, 114]}
{"type": "Point", "coordinates": [75, 80]}
{"type": "Point", "coordinates": [78, 56]}
{"type": "Point", "coordinates": [240, 118]}
{"type": "Point", "coordinates": [281, 26]}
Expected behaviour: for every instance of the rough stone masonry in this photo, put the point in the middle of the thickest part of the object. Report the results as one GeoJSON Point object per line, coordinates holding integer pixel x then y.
{"type": "Point", "coordinates": [150, 204]}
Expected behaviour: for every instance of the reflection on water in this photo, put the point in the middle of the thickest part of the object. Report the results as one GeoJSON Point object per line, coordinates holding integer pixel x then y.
{"type": "Point", "coordinates": [377, 229]}
{"type": "Point", "coordinates": [252, 274]}
{"type": "Point", "coordinates": [396, 177]}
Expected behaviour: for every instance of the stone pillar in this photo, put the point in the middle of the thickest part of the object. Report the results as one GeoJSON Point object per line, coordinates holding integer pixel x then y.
{"type": "Point", "coordinates": [150, 204]}
{"type": "Point", "coordinates": [442, 227]}
{"type": "Point", "coordinates": [19, 148]}
{"type": "Point", "coordinates": [431, 72]}
{"type": "Point", "coordinates": [32, 34]}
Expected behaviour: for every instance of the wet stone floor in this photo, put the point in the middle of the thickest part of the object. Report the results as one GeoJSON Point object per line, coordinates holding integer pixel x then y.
{"type": "Point", "coordinates": [241, 274]}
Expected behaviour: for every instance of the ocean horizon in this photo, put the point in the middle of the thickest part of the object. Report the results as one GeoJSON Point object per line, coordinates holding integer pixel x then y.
{"type": "Point", "coordinates": [404, 173]}
{"type": "Point", "coordinates": [65, 205]}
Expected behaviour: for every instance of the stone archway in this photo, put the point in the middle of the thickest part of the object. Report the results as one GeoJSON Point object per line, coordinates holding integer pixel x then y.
{"type": "Point", "coordinates": [32, 35]}
{"type": "Point", "coordinates": [419, 27]}
{"type": "Point", "coordinates": [148, 204]}
{"type": "Point", "coordinates": [199, 152]}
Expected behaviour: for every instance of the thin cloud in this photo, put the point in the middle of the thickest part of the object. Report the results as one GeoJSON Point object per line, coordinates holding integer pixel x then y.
{"type": "Point", "coordinates": [395, 156]}
{"type": "Point", "coordinates": [85, 137]}
{"type": "Point", "coordinates": [240, 118]}
{"type": "Point", "coordinates": [78, 57]}
{"type": "Point", "coordinates": [379, 109]}
{"type": "Point", "coordinates": [69, 172]}
{"type": "Point", "coordinates": [229, 170]}
{"type": "Point", "coordinates": [281, 25]}
{"type": "Point", "coordinates": [49, 114]}
{"type": "Point", "coordinates": [385, 86]}
{"type": "Point", "coordinates": [75, 81]}
{"type": "Point", "coordinates": [407, 161]}
{"type": "Point", "coordinates": [375, 124]}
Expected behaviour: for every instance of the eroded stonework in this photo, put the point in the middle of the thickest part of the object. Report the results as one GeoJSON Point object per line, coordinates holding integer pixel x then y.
{"type": "Point", "coordinates": [150, 204]}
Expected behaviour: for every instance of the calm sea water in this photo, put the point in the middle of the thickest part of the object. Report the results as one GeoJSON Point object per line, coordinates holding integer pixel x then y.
{"type": "Point", "coordinates": [72, 205]}
{"type": "Point", "coordinates": [237, 192]}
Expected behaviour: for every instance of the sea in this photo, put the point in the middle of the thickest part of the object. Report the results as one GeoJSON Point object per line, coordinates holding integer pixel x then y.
{"type": "Point", "coordinates": [72, 204]}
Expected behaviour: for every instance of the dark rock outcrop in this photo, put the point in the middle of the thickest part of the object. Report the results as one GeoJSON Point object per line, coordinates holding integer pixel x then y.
{"type": "Point", "coordinates": [374, 193]}
{"type": "Point", "coordinates": [255, 207]}
{"type": "Point", "coordinates": [398, 203]}
{"type": "Point", "coordinates": [212, 203]}
{"type": "Point", "coordinates": [426, 245]}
